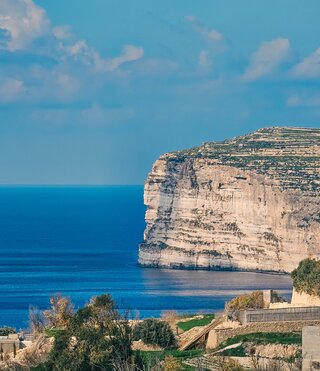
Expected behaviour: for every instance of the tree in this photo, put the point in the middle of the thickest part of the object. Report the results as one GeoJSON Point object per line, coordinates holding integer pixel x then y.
{"type": "Point", "coordinates": [253, 300]}
{"type": "Point", "coordinates": [60, 313]}
{"type": "Point", "coordinates": [306, 277]}
{"type": "Point", "coordinates": [36, 320]}
{"type": "Point", "coordinates": [154, 332]}
{"type": "Point", "coordinates": [96, 338]}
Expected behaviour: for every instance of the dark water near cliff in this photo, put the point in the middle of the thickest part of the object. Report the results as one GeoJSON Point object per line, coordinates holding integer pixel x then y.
{"type": "Point", "coordinates": [82, 241]}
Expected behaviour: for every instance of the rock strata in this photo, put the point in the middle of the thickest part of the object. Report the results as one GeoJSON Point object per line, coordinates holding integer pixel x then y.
{"type": "Point", "coordinates": [251, 203]}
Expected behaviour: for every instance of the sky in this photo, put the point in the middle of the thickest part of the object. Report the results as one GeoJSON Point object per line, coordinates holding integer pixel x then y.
{"type": "Point", "coordinates": [93, 91]}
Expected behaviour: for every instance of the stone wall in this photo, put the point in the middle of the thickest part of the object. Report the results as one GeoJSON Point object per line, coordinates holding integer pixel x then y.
{"type": "Point", "coordinates": [279, 315]}
{"type": "Point", "coordinates": [311, 348]}
{"type": "Point", "coordinates": [217, 336]}
{"type": "Point", "coordinates": [9, 344]}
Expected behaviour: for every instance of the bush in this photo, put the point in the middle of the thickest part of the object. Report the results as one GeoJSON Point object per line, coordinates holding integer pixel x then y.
{"type": "Point", "coordinates": [95, 338]}
{"type": "Point", "coordinates": [172, 364]}
{"type": "Point", "coordinates": [154, 332]}
{"type": "Point", "coordinates": [5, 331]}
{"type": "Point", "coordinates": [253, 300]}
{"type": "Point", "coordinates": [306, 278]}
{"type": "Point", "coordinates": [229, 364]}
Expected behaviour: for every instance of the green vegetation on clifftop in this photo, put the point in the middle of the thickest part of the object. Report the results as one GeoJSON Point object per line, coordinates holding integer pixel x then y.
{"type": "Point", "coordinates": [306, 278]}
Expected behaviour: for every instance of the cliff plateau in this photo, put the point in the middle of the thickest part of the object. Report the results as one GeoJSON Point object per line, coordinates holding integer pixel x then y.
{"type": "Point", "coordinates": [251, 203]}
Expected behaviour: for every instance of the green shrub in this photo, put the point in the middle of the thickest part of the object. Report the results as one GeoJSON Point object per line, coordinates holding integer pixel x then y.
{"type": "Point", "coordinates": [253, 300]}
{"type": "Point", "coordinates": [154, 332]}
{"type": "Point", "coordinates": [96, 338]}
{"type": "Point", "coordinates": [5, 331]}
{"type": "Point", "coordinates": [306, 278]}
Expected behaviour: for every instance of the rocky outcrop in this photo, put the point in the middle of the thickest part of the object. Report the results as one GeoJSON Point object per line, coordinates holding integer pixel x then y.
{"type": "Point", "coordinates": [250, 203]}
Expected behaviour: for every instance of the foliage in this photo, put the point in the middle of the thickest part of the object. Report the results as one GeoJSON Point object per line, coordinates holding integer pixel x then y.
{"type": "Point", "coordinates": [6, 330]}
{"type": "Point", "coordinates": [172, 364]}
{"type": "Point", "coordinates": [53, 332]}
{"type": "Point", "coordinates": [229, 364]}
{"type": "Point", "coordinates": [188, 325]}
{"type": "Point", "coordinates": [169, 315]}
{"type": "Point", "coordinates": [60, 313]}
{"type": "Point", "coordinates": [306, 278]}
{"type": "Point", "coordinates": [265, 338]}
{"type": "Point", "coordinates": [176, 353]}
{"type": "Point", "coordinates": [37, 320]}
{"type": "Point", "coordinates": [155, 332]}
{"type": "Point", "coordinates": [235, 352]}
{"type": "Point", "coordinates": [253, 300]}
{"type": "Point", "coordinates": [96, 338]}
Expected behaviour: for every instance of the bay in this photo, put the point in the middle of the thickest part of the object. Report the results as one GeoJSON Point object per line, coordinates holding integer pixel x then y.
{"type": "Point", "coordinates": [83, 241]}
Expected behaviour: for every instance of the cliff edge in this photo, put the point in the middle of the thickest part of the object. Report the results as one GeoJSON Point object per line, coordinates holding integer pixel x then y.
{"type": "Point", "coordinates": [251, 203]}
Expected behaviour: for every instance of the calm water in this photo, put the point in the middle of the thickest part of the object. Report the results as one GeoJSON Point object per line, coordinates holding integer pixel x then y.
{"type": "Point", "coordinates": [83, 241]}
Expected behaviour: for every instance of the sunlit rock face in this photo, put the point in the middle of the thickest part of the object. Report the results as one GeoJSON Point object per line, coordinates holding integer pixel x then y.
{"type": "Point", "coordinates": [249, 203]}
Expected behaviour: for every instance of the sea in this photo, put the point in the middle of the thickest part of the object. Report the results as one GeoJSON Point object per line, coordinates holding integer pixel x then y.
{"type": "Point", "coordinates": [83, 241]}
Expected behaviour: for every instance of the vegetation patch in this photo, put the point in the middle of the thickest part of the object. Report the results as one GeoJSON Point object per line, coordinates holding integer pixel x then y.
{"type": "Point", "coordinates": [253, 300]}
{"type": "Point", "coordinates": [239, 351]}
{"type": "Point", "coordinates": [5, 331]}
{"type": "Point", "coordinates": [286, 338]}
{"type": "Point", "coordinates": [154, 332]}
{"type": "Point", "coordinates": [53, 332]}
{"type": "Point", "coordinates": [194, 322]}
{"type": "Point", "coordinates": [306, 278]}
{"type": "Point", "coordinates": [179, 354]}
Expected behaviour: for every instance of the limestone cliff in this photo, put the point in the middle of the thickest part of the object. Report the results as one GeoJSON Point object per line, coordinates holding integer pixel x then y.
{"type": "Point", "coordinates": [249, 203]}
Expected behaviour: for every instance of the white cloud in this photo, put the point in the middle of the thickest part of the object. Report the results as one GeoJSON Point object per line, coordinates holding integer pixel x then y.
{"type": "Point", "coordinates": [270, 56]}
{"type": "Point", "coordinates": [204, 59]}
{"type": "Point", "coordinates": [215, 37]}
{"type": "Point", "coordinates": [155, 67]}
{"type": "Point", "coordinates": [309, 67]}
{"type": "Point", "coordinates": [303, 101]}
{"type": "Point", "coordinates": [11, 90]}
{"type": "Point", "coordinates": [62, 32]}
{"type": "Point", "coordinates": [23, 22]}
{"type": "Point", "coordinates": [130, 53]}
{"type": "Point", "coordinates": [25, 26]}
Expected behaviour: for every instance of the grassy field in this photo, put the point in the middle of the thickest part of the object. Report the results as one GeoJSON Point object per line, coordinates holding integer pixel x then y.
{"type": "Point", "coordinates": [181, 355]}
{"type": "Point", "coordinates": [152, 356]}
{"type": "Point", "coordinates": [266, 338]}
{"type": "Point", "coordinates": [188, 325]}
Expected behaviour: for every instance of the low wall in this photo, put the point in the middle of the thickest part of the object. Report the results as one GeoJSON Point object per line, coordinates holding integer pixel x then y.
{"type": "Point", "coordinates": [280, 315]}
{"type": "Point", "coordinates": [218, 336]}
{"type": "Point", "coordinates": [9, 344]}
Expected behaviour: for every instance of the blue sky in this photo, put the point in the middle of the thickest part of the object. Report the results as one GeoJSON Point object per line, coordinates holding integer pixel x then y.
{"type": "Point", "coordinates": [93, 91]}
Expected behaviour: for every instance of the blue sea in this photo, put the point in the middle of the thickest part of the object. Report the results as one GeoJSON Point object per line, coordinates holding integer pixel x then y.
{"type": "Point", "coordinates": [83, 241]}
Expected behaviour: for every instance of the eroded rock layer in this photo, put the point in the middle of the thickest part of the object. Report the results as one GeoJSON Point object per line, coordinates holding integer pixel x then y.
{"type": "Point", "coordinates": [249, 203]}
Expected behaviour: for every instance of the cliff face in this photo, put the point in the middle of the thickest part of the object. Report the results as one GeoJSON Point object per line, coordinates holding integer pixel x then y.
{"type": "Point", "coordinates": [249, 203]}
